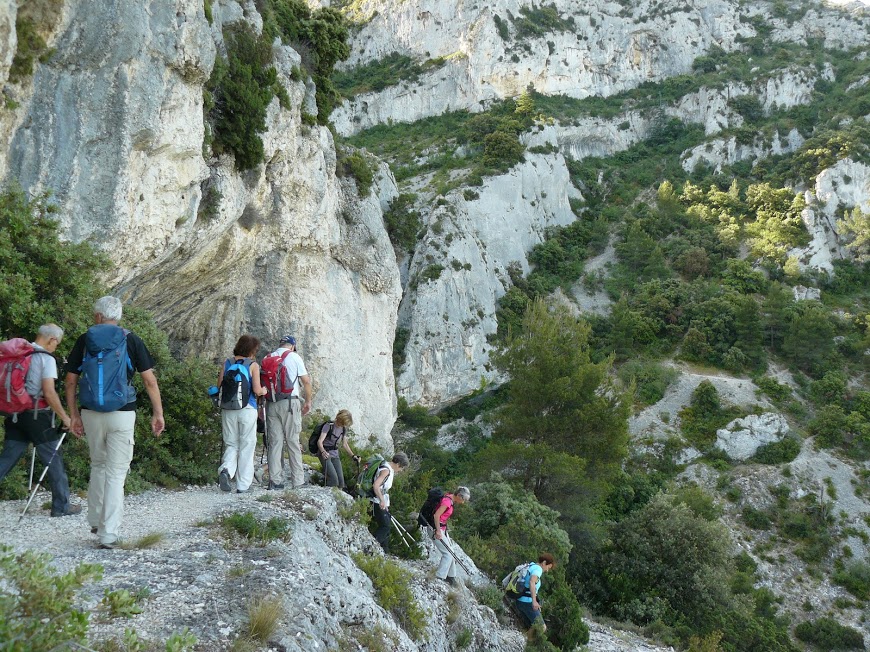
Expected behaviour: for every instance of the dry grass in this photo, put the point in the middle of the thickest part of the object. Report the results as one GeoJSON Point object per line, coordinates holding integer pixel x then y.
{"type": "Point", "coordinates": [148, 541]}
{"type": "Point", "coordinates": [263, 617]}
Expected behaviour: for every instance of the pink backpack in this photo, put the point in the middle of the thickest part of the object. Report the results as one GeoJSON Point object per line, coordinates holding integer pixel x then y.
{"type": "Point", "coordinates": [15, 356]}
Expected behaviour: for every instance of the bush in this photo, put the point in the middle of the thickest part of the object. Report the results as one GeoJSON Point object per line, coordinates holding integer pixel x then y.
{"type": "Point", "coordinates": [778, 452]}
{"type": "Point", "coordinates": [355, 164]}
{"type": "Point", "coordinates": [403, 222]}
{"type": "Point", "coordinates": [238, 93]}
{"type": "Point", "coordinates": [247, 525]}
{"type": "Point", "coordinates": [651, 379]}
{"type": "Point", "coordinates": [43, 279]}
{"type": "Point", "coordinates": [37, 606]}
{"type": "Point", "coordinates": [321, 36]}
{"type": "Point", "coordinates": [855, 576]}
{"type": "Point", "coordinates": [828, 634]}
{"type": "Point", "coordinates": [393, 589]}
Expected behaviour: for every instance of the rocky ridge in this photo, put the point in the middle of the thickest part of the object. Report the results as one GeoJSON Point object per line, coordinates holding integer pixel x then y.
{"type": "Point", "coordinates": [202, 578]}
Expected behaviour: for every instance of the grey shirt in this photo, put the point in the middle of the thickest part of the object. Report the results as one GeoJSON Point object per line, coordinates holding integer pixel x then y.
{"type": "Point", "coordinates": [41, 367]}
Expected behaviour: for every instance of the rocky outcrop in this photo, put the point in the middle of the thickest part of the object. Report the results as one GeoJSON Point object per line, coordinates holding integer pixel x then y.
{"type": "Point", "coordinates": [460, 269]}
{"type": "Point", "coordinates": [602, 49]}
{"type": "Point", "coordinates": [8, 37]}
{"type": "Point", "coordinates": [115, 132]}
{"type": "Point", "coordinates": [845, 184]}
{"type": "Point", "coordinates": [727, 151]}
{"type": "Point", "coordinates": [741, 438]}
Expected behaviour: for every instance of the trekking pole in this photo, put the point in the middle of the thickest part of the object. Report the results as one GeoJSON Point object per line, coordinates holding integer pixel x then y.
{"type": "Point", "coordinates": [32, 464]}
{"type": "Point", "coordinates": [42, 476]}
{"type": "Point", "coordinates": [402, 531]}
{"type": "Point", "coordinates": [449, 549]}
{"type": "Point", "coordinates": [458, 560]}
{"type": "Point", "coordinates": [262, 404]}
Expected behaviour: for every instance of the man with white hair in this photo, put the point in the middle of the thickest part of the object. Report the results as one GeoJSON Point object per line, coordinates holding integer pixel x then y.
{"type": "Point", "coordinates": [101, 367]}
{"type": "Point", "coordinates": [37, 426]}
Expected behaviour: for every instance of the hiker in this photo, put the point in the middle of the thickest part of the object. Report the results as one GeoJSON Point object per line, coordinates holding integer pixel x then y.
{"type": "Point", "coordinates": [381, 499]}
{"type": "Point", "coordinates": [527, 603]}
{"type": "Point", "coordinates": [108, 410]}
{"type": "Point", "coordinates": [332, 434]}
{"type": "Point", "coordinates": [239, 383]}
{"type": "Point", "coordinates": [447, 565]}
{"type": "Point", "coordinates": [36, 425]}
{"type": "Point", "coordinates": [285, 408]}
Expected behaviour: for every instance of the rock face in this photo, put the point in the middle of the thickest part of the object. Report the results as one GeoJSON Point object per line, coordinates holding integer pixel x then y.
{"type": "Point", "coordinates": [741, 438]}
{"type": "Point", "coordinates": [475, 240]}
{"type": "Point", "coordinates": [8, 36]}
{"type": "Point", "coordinates": [115, 131]}
{"type": "Point", "coordinates": [600, 49]}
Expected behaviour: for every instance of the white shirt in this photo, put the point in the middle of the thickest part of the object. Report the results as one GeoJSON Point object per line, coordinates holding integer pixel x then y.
{"type": "Point", "coordinates": [295, 369]}
{"type": "Point", "coordinates": [385, 487]}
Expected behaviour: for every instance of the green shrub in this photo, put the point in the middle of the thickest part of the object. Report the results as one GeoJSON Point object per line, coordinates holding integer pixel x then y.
{"type": "Point", "coordinates": [378, 75]}
{"type": "Point", "coordinates": [321, 36]}
{"type": "Point", "coordinates": [755, 518]}
{"type": "Point", "coordinates": [43, 279]}
{"type": "Point", "coordinates": [355, 164]}
{"type": "Point", "coordinates": [403, 222]}
{"type": "Point", "coordinates": [121, 603]}
{"type": "Point", "coordinates": [827, 634]}
{"type": "Point", "coordinates": [248, 526]}
{"type": "Point", "coordinates": [778, 452]}
{"type": "Point", "coordinates": [855, 577]}
{"type": "Point", "coordinates": [651, 379]}
{"type": "Point", "coordinates": [416, 416]}
{"type": "Point", "coordinates": [37, 606]}
{"type": "Point", "coordinates": [393, 589]}
{"type": "Point", "coordinates": [238, 93]}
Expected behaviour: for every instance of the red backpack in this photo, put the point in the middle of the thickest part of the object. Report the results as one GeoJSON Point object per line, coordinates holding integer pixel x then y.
{"type": "Point", "coordinates": [275, 377]}
{"type": "Point", "coordinates": [15, 356]}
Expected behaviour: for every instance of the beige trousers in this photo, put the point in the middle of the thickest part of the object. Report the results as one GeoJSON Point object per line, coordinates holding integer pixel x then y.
{"type": "Point", "coordinates": [284, 422]}
{"type": "Point", "coordinates": [110, 440]}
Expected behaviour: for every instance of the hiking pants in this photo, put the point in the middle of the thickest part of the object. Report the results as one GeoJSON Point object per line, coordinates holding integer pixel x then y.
{"type": "Point", "coordinates": [333, 472]}
{"type": "Point", "coordinates": [240, 440]}
{"type": "Point", "coordinates": [14, 447]}
{"type": "Point", "coordinates": [382, 533]}
{"type": "Point", "coordinates": [284, 420]}
{"type": "Point", "coordinates": [447, 565]}
{"type": "Point", "coordinates": [110, 440]}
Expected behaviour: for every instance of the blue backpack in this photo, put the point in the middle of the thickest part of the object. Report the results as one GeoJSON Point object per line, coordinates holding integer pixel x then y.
{"type": "Point", "coordinates": [235, 389]}
{"type": "Point", "coordinates": [103, 385]}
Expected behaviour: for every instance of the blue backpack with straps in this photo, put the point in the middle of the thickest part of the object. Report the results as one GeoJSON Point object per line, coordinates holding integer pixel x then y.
{"type": "Point", "coordinates": [104, 384]}
{"type": "Point", "coordinates": [235, 390]}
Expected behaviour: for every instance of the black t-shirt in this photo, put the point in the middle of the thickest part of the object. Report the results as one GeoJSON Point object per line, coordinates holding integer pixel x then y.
{"type": "Point", "coordinates": [140, 358]}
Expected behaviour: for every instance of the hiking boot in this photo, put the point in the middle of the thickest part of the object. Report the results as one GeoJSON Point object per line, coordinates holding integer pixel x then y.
{"type": "Point", "coordinates": [242, 491]}
{"type": "Point", "coordinates": [452, 581]}
{"type": "Point", "coordinates": [71, 510]}
{"type": "Point", "coordinates": [224, 480]}
{"type": "Point", "coordinates": [273, 485]}
{"type": "Point", "coordinates": [94, 529]}
{"type": "Point", "coordinates": [111, 545]}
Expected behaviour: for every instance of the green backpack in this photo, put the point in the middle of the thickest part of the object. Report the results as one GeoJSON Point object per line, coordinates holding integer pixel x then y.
{"type": "Point", "coordinates": [366, 479]}
{"type": "Point", "coordinates": [514, 583]}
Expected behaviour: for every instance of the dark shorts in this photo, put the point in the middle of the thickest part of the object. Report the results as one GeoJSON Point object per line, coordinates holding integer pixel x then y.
{"type": "Point", "coordinates": [526, 611]}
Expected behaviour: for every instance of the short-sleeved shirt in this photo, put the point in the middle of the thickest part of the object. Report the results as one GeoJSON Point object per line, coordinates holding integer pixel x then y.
{"type": "Point", "coordinates": [534, 569]}
{"type": "Point", "coordinates": [295, 368]}
{"type": "Point", "coordinates": [42, 366]}
{"type": "Point", "coordinates": [448, 502]}
{"type": "Point", "coordinates": [331, 444]}
{"type": "Point", "coordinates": [140, 358]}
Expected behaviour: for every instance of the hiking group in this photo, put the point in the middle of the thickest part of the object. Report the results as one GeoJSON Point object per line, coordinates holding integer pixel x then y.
{"type": "Point", "coordinates": [277, 393]}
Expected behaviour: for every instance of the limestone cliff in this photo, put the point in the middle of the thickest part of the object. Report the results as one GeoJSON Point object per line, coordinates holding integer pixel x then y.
{"type": "Point", "coordinates": [114, 130]}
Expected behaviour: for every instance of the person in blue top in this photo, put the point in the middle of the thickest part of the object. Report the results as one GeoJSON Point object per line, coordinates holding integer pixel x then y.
{"type": "Point", "coordinates": [239, 422]}
{"type": "Point", "coordinates": [527, 604]}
